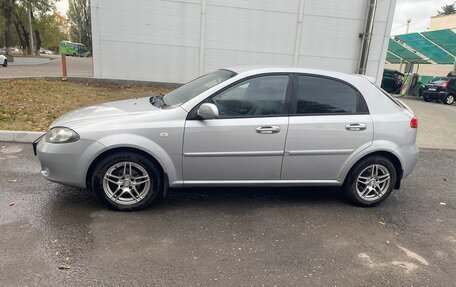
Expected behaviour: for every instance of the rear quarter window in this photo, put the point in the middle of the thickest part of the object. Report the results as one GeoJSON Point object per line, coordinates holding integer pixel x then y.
{"type": "Point", "coordinates": [393, 99]}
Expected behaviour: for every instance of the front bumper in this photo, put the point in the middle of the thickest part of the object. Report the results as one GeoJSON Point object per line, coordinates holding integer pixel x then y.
{"type": "Point", "coordinates": [66, 163]}
{"type": "Point", "coordinates": [35, 143]}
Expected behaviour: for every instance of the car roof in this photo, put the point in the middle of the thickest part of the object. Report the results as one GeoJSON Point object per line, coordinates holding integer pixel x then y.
{"type": "Point", "coordinates": [260, 69]}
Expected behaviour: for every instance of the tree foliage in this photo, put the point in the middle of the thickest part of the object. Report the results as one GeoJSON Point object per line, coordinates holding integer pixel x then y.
{"type": "Point", "coordinates": [52, 29]}
{"type": "Point", "coordinates": [447, 9]}
{"type": "Point", "coordinates": [48, 27]}
{"type": "Point", "coordinates": [80, 22]}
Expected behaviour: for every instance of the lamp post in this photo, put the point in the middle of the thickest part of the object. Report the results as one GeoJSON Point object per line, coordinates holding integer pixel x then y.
{"type": "Point", "coordinates": [406, 32]}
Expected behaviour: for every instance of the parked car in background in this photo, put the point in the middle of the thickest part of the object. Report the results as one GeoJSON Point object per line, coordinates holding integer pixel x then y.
{"type": "Point", "coordinates": [46, 52]}
{"type": "Point", "coordinates": [392, 81]}
{"type": "Point", "coordinates": [440, 89]}
{"type": "Point", "coordinates": [3, 61]}
{"type": "Point", "coordinates": [237, 127]}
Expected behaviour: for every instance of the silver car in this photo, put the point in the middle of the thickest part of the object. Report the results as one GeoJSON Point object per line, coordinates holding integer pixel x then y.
{"type": "Point", "coordinates": [242, 126]}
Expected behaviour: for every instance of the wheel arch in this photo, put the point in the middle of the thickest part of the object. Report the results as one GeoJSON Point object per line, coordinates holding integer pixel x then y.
{"type": "Point", "coordinates": [387, 154]}
{"type": "Point", "coordinates": [114, 150]}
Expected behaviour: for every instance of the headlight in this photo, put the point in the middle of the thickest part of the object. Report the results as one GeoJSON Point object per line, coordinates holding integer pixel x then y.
{"type": "Point", "coordinates": [61, 135]}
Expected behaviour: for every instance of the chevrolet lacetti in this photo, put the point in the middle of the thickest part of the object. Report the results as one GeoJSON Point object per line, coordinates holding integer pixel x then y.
{"type": "Point", "coordinates": [245, 126]}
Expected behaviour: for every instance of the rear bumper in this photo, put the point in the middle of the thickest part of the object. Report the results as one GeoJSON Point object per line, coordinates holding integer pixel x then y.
{"type": "Point", "coordinates": [435, 95]}
{"type": "Point", "coordinates": [410, 155]}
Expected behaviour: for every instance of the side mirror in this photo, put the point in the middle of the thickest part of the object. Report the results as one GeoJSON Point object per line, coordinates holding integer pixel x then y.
{"type": "Point", "coordinates": [208, 111]}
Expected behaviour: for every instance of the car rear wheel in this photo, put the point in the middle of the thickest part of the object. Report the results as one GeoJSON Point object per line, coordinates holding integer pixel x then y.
{"type": "Point", "coordinates": [449, 100]}
{"type": "Point", "coordinates": [127, 181]}
{"type": "Point", "coordinates": [5, 63]}
{"type": "Point", "coordinates": [370, 181]}
{"type": "Point", "coordinates": [426, 99]}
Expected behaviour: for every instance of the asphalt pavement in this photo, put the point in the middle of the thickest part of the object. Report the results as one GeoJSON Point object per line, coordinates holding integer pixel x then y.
{"type": "Point", "coordinates": [52, 235]}
{"type": "Point", "coordinates": [76, 67]}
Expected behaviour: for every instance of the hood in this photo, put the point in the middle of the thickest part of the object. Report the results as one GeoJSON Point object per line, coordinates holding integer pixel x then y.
{"type": "Point", "coordinates": [105, 111]}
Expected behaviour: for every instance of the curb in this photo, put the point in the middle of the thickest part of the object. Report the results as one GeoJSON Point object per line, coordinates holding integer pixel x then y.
{"type": "Point", "coordinates": [91, 80]}
{"type": "Point", "coordinates": [19, 136]}
{"type": "Point", "coordinates": [31, 63]}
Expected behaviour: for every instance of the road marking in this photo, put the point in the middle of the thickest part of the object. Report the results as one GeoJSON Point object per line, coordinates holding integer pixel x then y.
{"type": "Point", "coordinates": [414, 255]}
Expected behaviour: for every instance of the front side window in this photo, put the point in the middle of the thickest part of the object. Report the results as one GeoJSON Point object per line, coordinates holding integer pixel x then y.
{"type": "Point", "coordinates": [318, 95]}
{"type": "Point", "coordinates": [260, 96]}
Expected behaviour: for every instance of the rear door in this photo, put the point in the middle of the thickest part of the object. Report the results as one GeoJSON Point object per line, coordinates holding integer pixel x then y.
{"type": "Point", "coordinates": [329, 123]}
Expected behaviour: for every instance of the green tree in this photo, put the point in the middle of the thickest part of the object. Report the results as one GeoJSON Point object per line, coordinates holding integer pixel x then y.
{"type": "Point", "coordinates": [447, 9]}
{"type": "Point", "coordinates": [52, 30]}
{"type": "Point", "coordinates": [80, 22]}
{"type": "Point", "coordinates": [16, 15]}
{"type": "Point", "coordinates": [6, 11]}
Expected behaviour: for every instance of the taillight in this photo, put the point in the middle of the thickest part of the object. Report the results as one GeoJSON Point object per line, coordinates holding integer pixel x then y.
{"type": "Point", "coordinates": [445, 84]}
{"type": "Point", "coordinates": [414, 123]}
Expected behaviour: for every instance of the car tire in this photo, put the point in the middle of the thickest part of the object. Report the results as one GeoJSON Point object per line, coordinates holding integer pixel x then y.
{"type": "Point", "coordinates": [116, 181]}
{"type": "Point", "coordinates": [449, 99]}
{"type": "Point", "coordinates": [426, 99]}
{"type": "Point", "coordinates": [5, 63]}
{"type": "Point", "coordinates": [370, 181]}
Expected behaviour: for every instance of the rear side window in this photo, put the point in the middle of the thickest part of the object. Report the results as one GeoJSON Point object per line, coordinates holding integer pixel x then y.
{"type": "Point", "coordinates": [318, 95]}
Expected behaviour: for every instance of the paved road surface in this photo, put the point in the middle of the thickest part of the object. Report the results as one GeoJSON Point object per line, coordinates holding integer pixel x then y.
{"type": "Point", "coordinates": [436, 124]}
{"type": "Point", "coordinates": [76, 67]}
{"type": "Point", "coordinates": [221, 237]}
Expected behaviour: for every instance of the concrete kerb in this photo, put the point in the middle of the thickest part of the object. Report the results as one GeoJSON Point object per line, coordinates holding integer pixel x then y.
{"type": "Point", "coordinates": [89, 80]}
{"type": "Point", "coordinates": [19, 136]}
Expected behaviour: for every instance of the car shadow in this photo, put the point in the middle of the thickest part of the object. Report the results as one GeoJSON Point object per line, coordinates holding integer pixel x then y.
{"type": "Point", "coordinates": [270, 195]}
{"type": "Point", "coordinates": [72, 201]}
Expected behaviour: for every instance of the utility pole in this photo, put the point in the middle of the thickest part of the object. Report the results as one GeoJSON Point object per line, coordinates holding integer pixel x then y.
{"type": "Point", "coordinates": [32, 49]}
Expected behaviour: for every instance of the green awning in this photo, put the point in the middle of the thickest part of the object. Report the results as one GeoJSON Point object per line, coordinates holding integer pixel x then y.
{"type": "Point", "coordinates": [400, 51]}
{"type": "Point", "coordinates": [444, 38]}
{"type": "Point", "coordinates": [392, 58]}
{"type": "Point", "coordinates": [431, 46]}
{"type": "Point", "coordinates": [427, 48]}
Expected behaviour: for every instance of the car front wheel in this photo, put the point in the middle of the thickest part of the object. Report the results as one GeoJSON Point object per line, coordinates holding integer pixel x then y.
{"type": "Point", "coordinates": [127, 181]}
{"type": "Point", "coordinates": [370, 181]}
{"type": "Point", "coordinates": [5, 63]}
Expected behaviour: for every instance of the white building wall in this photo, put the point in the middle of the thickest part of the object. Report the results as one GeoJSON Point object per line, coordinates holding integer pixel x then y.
{"type": "Point", "coordinates": [177, 40]}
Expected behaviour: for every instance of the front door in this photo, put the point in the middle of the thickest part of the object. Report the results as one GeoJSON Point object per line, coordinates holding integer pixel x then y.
{"type": "Point", "coordinates": [330, 123]}
{"type": "Point", "coordinates": [246, 142]}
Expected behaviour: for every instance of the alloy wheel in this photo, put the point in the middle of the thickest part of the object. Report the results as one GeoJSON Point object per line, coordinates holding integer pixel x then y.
{"type": "Point", "coordinates": [450, 99]}
{"type": "Point", "coordinates": [373, 182]}
{"type": "Point", "coordinates": [126, 183]}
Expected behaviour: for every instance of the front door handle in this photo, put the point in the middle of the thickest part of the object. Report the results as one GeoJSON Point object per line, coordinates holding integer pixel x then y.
{"type": "Point", "coordinates": [356, 127]}
{"type": "Point", "coordinates": [268, 129]}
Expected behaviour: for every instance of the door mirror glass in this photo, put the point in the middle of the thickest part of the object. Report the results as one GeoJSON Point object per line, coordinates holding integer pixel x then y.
{"type": "Point", "coordinates": [208, 111]}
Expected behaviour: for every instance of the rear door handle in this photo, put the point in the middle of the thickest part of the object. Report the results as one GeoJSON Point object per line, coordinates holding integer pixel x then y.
{"type": "Point", "coordinates": [268, 129]}
{"type": "Point", "coordinates": [356, 127]}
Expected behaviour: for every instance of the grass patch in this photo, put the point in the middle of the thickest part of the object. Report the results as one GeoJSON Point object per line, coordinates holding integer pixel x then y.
{"type": "Point", "coordinates": [33, 105]}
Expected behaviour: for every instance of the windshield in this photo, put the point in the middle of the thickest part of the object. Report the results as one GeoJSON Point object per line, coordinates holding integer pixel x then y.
{"type": "Point", "coordinates": [196, 87]}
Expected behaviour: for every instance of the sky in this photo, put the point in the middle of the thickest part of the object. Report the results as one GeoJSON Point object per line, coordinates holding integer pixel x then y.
{"type": "Point", "coordinates": [419, 11]}
{"type": "Point", "coordinates": [62, 6]}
